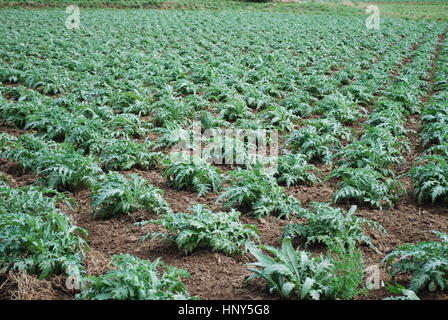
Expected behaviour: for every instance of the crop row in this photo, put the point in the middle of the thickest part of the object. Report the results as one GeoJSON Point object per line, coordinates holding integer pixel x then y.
{"type": "Point", "coordinates": [366, 166]}
{"type": "Point", "coordinates": [430, 174]}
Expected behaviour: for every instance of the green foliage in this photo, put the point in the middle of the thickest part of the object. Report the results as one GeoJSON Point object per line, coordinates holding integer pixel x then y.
{"type": "Point", "coordinates": [170, 110]}
{"type": "Point", "coordinates": [313, 144]}
{"type": "Point", "coordinates": [288, 271]}
{"type": "Point", "coordinates": [341, 108]}
{"type": "Point", "coordinates": [116, 194]}
{"type": "Point", "coordinates": [66, 167]}
{"type": "Point", "coordinates": [129, 125]}
{"type": "Point", "coordinates": [234, 111]}
{"type": "Point", "coordinates": [348, 261]}
{"type": "Point", "coordinates": [3, 180]}
{"type": "Point", "coordinates": [52, 123]}
{"type": "Point", "coordinates": [279, 118]}
{"type": "Point", "coordinates": [294, 169]}
{"type": "Point", "coordinates": [174, 134]}
{"type": "Point", "coordinates": [18, 112]}
{"type": "Point", "coordinates": [297, 103]}
{"type": "Point", "coordinates": [125, 154]}
{"type": "Point", "coordinates": [427, 262]}
{"type": "Point", "coordinates": [61, 165]}
{"type": "Point", "coordinates": [365, 185]}
{"type": "Point", "coordinates": [388, 116]}
{"type": "Point", "coordinates": [320, 86]}
{"type": "Point", "coordinates": [202, 228]}
{"type": "Point", "coordinates": [220, 92]}
{"type": "Point", "coordinates": [85, 133]}
{"type": "Point", "coordinates": [6, 142]}
{"type": "Point", "coordinates": [251, 190]}
{"type": "Point", "coordinates": [35, 236]}
{"type": "Point", "coordinates": [438, 150]}
{"type": "Point", "coordinates": [435, 112]}
{"type": "Point", "coordinates": [384, 136]}
{"type": "Point", "coordinates": [327, 224]}
{"type": "Point", "coordinates": [235, 148]}
{"type": "Point", "coordinates": [406, 95]}
{"type": "Point", "coordinates": [332, 127]}
{"type": "Point", "coordinates": [209, 121]}
{"type": "Point", "coordinates": [430, 179]}
{"type": "Point", "coordinates": [132, 278]}
{"type": "Point", "coordinates": [183, 172]}
{"type": "Point", "coordinates": [361, 154]}
{"type": "Point", "coordinates": [363, 91]}
{"type": "Point", "coordinates": [379, 151]}
{"type": "Point", "coordinates": [434, 124]}
{"type": "Point", "coordinates": [59, 124]}
{"type": "Point", "coordinates": [399, 289]}
{"type": "Point", "coordinates": [292, 272]}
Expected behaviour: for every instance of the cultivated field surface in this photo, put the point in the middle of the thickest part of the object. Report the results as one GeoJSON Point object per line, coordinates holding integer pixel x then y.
{"type": "Point", "coordinates": [90, 189]}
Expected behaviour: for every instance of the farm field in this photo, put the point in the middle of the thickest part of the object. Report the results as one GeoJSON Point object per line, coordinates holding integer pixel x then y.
{"type": "Point", "coordinates": [89, 184]}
